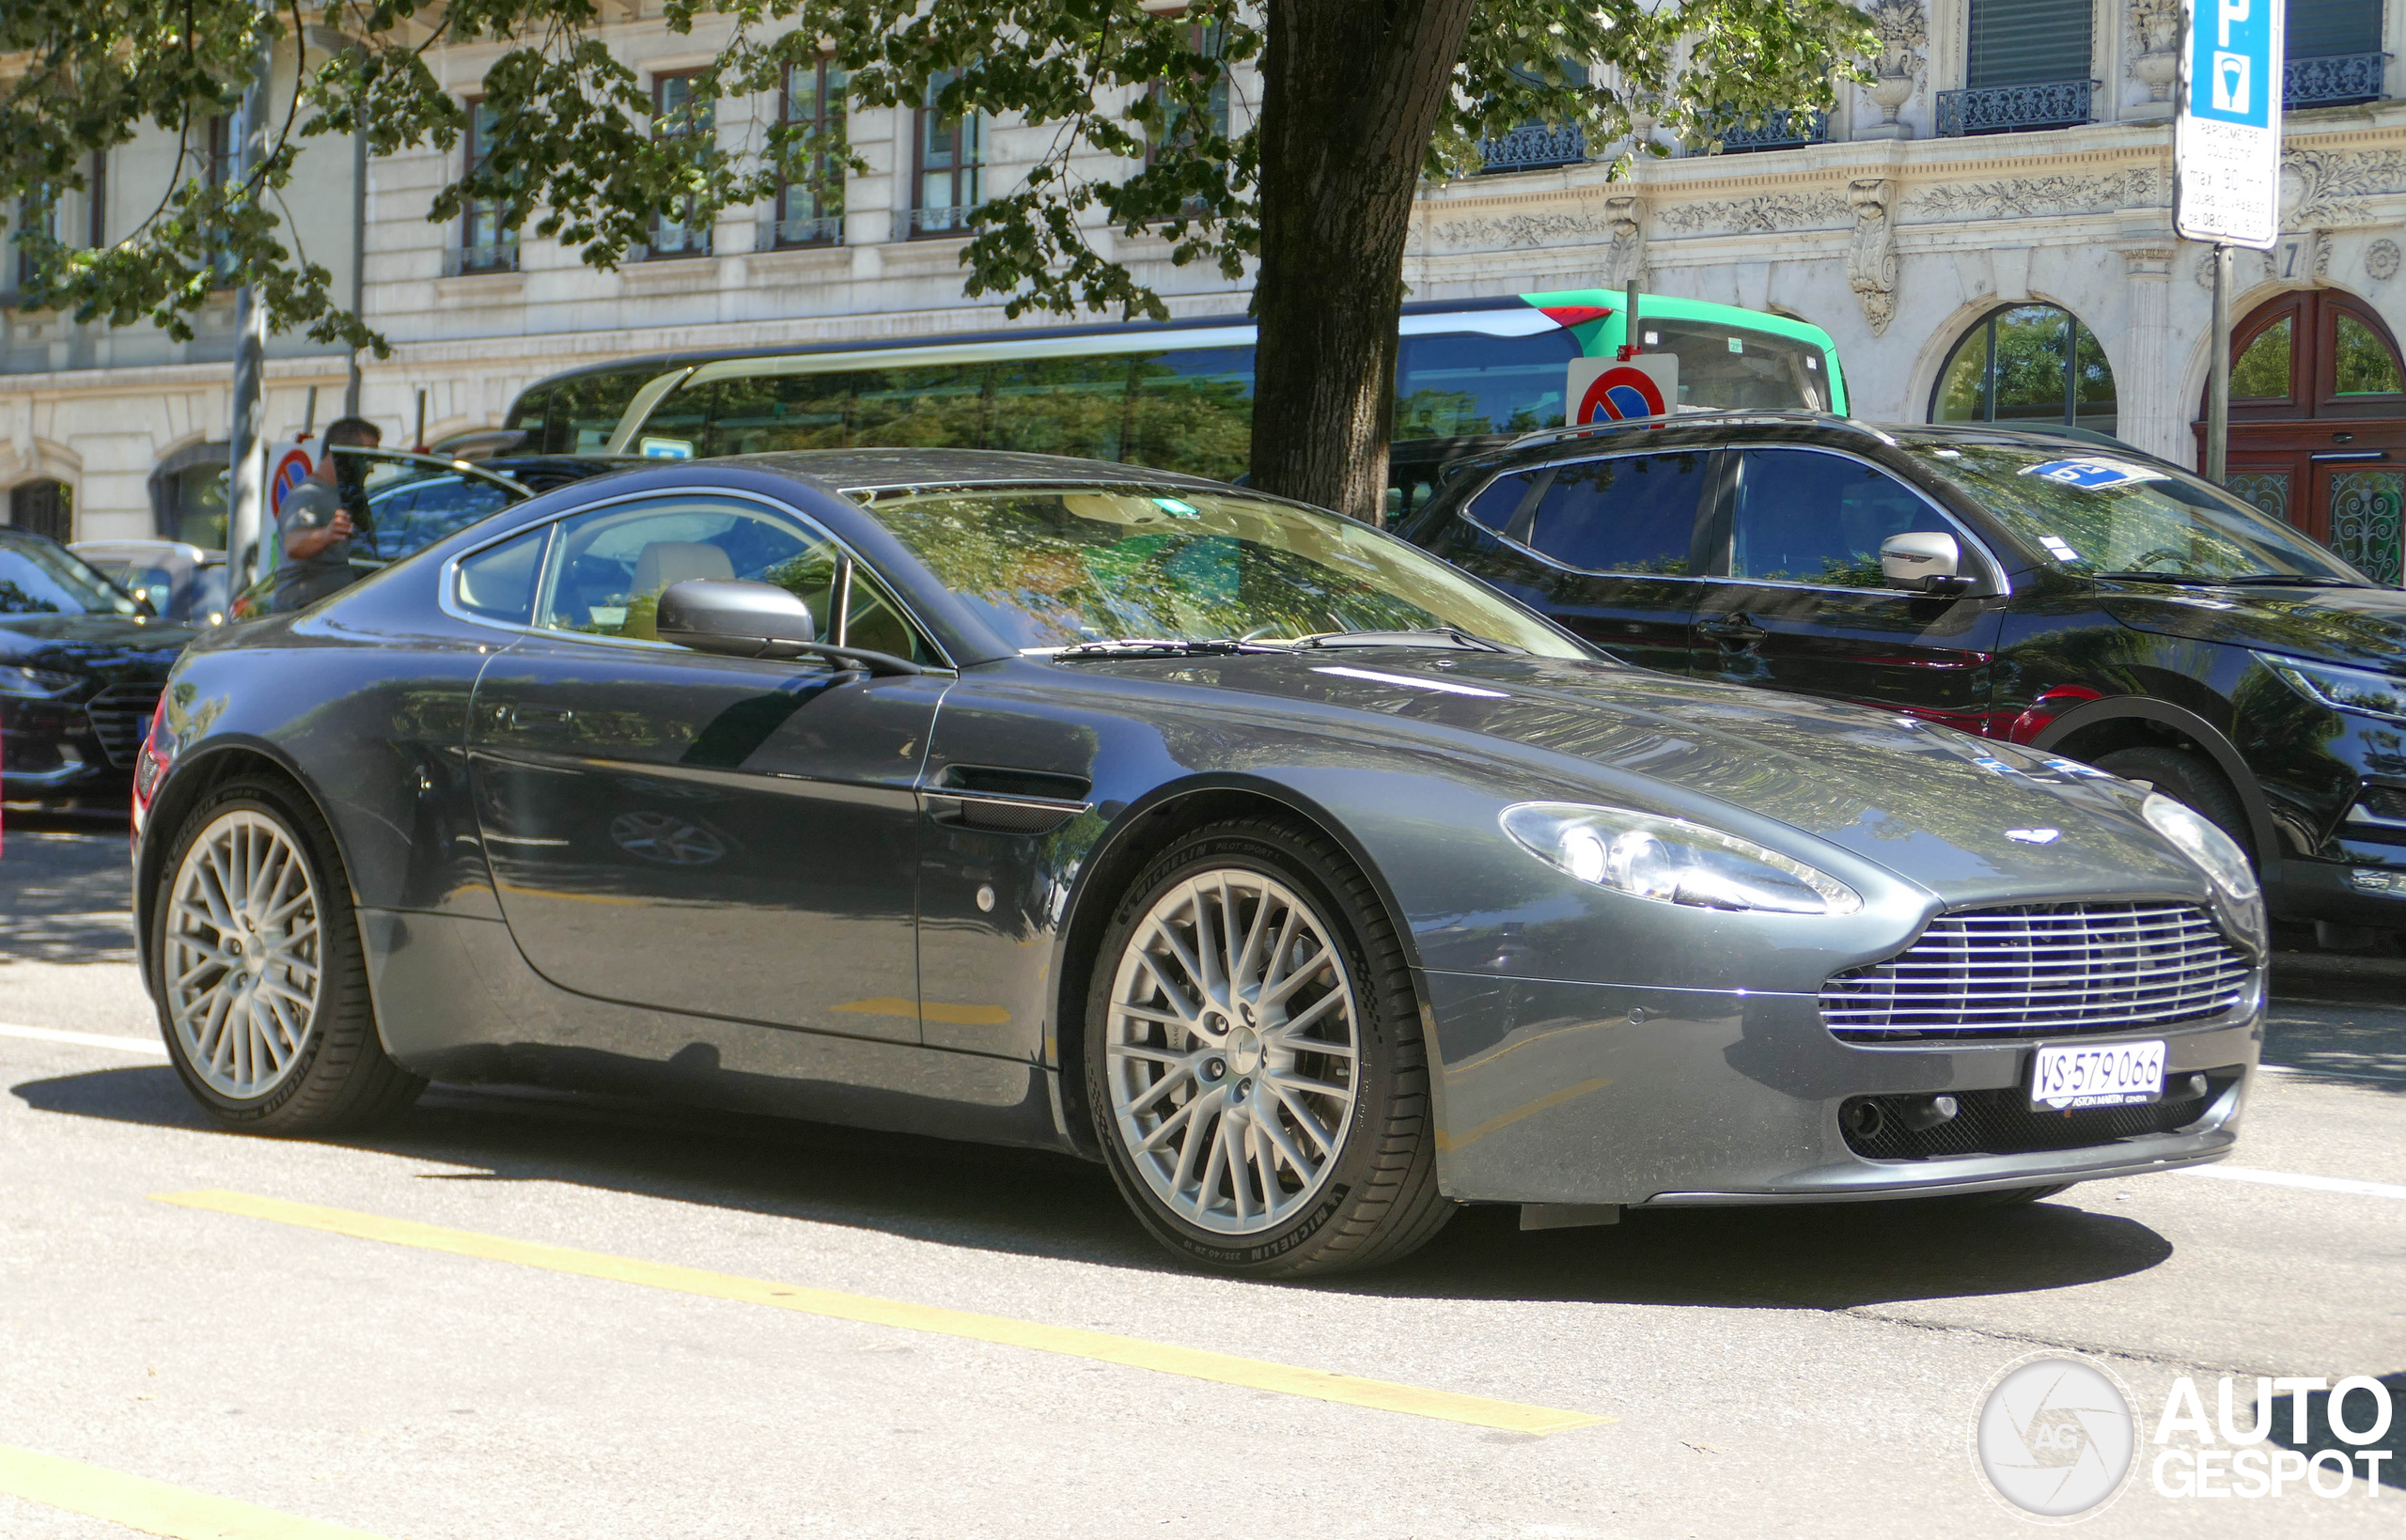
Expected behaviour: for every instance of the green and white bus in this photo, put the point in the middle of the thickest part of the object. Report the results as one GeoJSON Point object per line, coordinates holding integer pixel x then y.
{"type": "Point", "coordinates": [1178, 396]}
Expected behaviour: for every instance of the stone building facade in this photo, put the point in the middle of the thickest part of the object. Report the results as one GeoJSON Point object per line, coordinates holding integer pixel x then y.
{"type": "Point", "coordinates": [1955, 211]}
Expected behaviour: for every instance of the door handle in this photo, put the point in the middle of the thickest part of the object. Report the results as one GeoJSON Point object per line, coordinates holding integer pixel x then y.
{"type": "Point", "coordinates": [526, 717]}
{"type": "Point", "coordinates": [1735, 630]}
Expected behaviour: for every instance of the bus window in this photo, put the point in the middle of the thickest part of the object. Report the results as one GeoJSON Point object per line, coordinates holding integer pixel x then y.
{"type": "Point", "coordinates": [761, 413]}
{"type": "Point", "coordinates": [585, 408]}
{"type": "Point", "coordinates": [525, 417]}
{"type": "Point", "coordinates": [933, 407]}
{"type": "Point", "coordinates": [675, 428]}
{"type": "Point", "coordinates": [1739, 369]}
{"type": "Point", "coordinates": [1061, 406]}
{"type": "Point", "coordinates": [1454, 386]}
{"type": "Point", "coordinates": [1192, 410]}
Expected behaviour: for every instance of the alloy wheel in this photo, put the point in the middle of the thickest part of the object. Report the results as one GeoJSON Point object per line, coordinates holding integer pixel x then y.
{"type": "Point", "coordinates": [1232, 1051]}
{"type": "Point", "coordinates": [242, 970]}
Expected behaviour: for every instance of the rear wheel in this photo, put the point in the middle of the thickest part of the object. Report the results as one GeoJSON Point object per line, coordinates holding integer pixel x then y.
{"type": "Point", "coordinates": [2189, 781]}
{"type": "Point", "coordinates": [261, 991]}
{"type": "Point", "coordinates": [1255, 1062]}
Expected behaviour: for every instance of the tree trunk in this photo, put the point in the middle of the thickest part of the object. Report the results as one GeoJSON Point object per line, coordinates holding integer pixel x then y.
{"type": "Point", "coordinates": [1351, 91]}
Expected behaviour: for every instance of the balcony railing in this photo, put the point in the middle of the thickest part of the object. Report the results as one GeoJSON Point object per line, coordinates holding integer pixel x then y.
{"type": "Point", "coordinates": [825, 230]}
{"type": "Point", "coordinates": [1534, 147]}
{"type": "Point", "coordinates": [1779, 131]}
{"type": "Point", "coordinates": [491, 257]}
{"type": "Point", "coordinates": [919, 223]}
{"type": "Point", "coordinates": [2337, 81]}
{"type": "Point", "coordinates": [2010, 109]}
{"type": "Point", "coordinates": [671, 241]}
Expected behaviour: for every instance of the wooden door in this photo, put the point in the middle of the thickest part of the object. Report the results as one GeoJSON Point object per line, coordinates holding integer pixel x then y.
{"type": "Point", "coordinates": [2317, 423]}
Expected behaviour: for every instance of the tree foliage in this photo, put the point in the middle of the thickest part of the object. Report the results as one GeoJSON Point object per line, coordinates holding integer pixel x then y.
{"type": "Point", "coordinates": [1123, 92]}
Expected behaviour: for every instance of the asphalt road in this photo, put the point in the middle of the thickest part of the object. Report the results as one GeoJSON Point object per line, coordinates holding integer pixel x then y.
{"type": "Point", "coordinates": [1792, 1373]}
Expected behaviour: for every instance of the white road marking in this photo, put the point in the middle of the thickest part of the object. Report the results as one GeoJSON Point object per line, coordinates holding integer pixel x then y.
{"type": "Point", "coordinates": [2290, 1178]}
{"type": "Point", "coordinates": [148, 1047]}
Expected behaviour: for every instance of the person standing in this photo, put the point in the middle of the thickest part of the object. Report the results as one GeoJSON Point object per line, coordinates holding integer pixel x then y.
{"type": "Point", "coordinates": [313, 526]}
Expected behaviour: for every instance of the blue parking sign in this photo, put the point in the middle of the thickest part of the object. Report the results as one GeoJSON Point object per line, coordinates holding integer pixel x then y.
{"type": "Point", "coordinates": [2234, 61]}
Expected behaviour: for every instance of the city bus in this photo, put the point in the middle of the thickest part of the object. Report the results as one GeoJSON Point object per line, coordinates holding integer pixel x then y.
{"type": "Point", "coordinates": [1177, 395]}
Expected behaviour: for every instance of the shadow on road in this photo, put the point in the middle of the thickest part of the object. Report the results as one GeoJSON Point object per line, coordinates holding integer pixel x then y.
{"type": "Point", "coordinates": [68, 887]}
{"type": "Point", "coordinates": [1038, 1203]}
{"type": "Point", "coordinates": [2333, 1044]}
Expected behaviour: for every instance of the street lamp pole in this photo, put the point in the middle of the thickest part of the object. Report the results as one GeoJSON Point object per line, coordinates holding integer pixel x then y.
{"type": "Point", "coordinates": [246, 498]}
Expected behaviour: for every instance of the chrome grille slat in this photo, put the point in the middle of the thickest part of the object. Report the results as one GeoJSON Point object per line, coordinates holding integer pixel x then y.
{"type": "Point", "coordinates": [2060, 969]}
{"type": "Point", "coordinates": [117, 714]}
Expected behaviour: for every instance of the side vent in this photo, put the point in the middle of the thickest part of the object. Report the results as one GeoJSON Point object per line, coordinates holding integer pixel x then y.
{"type": "Point", "coordinates": [1000, 801]}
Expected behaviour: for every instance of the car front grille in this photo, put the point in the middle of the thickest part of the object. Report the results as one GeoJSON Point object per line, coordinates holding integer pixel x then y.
{"type": "Point", "coordinates": [119, 715]}
{"type": "Point", "coordinates": [2041, 969]}
{"type": "Point", "coordinates": [2002, 1122]}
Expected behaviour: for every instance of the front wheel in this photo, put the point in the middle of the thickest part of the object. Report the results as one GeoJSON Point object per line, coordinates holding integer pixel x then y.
{"type": "Point", "coordinates": [261, 991]}
{"type": "Point", "coordinates": [1254, 1059]}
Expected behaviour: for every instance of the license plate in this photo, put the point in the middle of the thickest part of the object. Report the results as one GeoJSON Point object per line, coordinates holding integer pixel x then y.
{"type": "Point", "coordinates": [2096, 1075]}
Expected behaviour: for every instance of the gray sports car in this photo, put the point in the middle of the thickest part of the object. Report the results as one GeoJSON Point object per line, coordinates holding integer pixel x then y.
{"type": "Point", "coordinates": [1306, 881]}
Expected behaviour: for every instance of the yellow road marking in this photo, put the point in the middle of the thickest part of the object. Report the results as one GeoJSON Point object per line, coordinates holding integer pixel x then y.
{"type": "Point", "coordinates": [1164, 1358]}
{"type": "Point", "coordinates": [151, 1506]}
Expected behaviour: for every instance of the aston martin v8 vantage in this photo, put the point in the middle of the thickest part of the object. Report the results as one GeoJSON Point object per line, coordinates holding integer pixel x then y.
{"type": "Point", "coordinates": [1310, 884]}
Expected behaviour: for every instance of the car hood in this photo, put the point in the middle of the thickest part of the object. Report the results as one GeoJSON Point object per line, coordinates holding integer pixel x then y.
{"type": "Point", "coordinates": [1964, 818]}
{"type": "Point", "coordinates": [2366, 627]}
{"type": "Point", "coordinates": [111, 644]}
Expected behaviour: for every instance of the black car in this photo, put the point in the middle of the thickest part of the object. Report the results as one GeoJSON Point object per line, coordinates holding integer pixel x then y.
{"type": "Point", "coordinates": [2089, 601]}
{"type": "Point", "coordinates": [1310, 885]}
{"type": "Point", "coordinates": [81, 665]}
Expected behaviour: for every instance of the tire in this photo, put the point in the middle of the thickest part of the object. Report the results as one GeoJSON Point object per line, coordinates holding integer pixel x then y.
{"type": "Point", "coordinates": [1259, 1061]}
{"type": "Point", "coordinates": [2188, 780]}
{"type": "Point", "coordinates": [273, 1033]}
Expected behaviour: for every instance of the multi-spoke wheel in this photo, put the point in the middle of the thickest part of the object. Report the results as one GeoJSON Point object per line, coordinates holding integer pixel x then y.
{"type": "Point", "coordinates": [1254, 1058]}
{"type": "Point", "coordinates": [261, 995]}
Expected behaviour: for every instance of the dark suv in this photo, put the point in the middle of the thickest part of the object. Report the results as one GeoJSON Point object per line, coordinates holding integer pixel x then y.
{"type": "Point", "coordinates": [2095, 601]}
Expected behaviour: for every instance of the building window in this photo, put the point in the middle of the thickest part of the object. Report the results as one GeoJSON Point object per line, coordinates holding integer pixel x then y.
{"type": "Point", "coordinates": [2028, 364]}
{"type": "Point", "coordinates": [1177, 130]}
{"type": "Point", "coordinates": [486, 245]}
{"type": "Point", "coordinates": [45, 507]}
{"type": "Point", "coordinates": [678, 113]}
{"type": "Point", "coordinates": [2026, 65]}
{"type": "Point", "coordinates": [951, 163]}
{"type": "Point", "coordinates": [96, 202]}
{"type": "Point", "coordinates": [2333, 53]}
{"type": "Point", "coordinates": [811, 212]}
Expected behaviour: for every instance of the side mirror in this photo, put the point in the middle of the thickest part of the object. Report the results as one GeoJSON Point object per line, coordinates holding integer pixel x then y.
{"type": "Point", "coordinates": [1923, 562]}
{"type": "Point", "coordinates": [745, 619]}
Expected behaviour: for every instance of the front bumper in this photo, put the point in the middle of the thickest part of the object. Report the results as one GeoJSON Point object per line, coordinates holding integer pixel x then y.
{"type": "Point", "coordinates": [1563, 1093]}
{"type": "Point", "coordinates": [78, 753]}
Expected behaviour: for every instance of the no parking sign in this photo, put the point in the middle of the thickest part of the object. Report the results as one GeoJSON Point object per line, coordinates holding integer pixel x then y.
{"type": "Point", "coordinates": [1611, 390]}
{"type": "Point", "coordinates": [290, 464]}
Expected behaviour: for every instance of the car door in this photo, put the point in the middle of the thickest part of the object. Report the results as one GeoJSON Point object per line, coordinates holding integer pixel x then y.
{"type": "Point", "coordinates": [1798, 600]}
{"type": "Point", "coordinates": [1616, 547]}
{"type": "Point", "coordinates": [715, 835]}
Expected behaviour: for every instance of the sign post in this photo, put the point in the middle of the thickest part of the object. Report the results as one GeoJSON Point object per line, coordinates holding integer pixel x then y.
{"type": "Point", "coordinates": [2227, 161]}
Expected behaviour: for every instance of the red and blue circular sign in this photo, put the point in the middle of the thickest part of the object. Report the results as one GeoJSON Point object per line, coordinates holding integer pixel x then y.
{"type": "Point", "coordinates": [1620, 394]}
{"type": "Point", "coordinates": [292, 469]}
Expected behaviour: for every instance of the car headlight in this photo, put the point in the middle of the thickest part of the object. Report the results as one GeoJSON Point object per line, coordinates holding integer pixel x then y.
{"type": "Point", "coordinates": [2357, 690]}
{"type": "Point", "coordinates": [35, 683]}
{"type": "Point", "coordinates": [2201, 841]}
{"type": "Point", "coordinates": [1672, 860]}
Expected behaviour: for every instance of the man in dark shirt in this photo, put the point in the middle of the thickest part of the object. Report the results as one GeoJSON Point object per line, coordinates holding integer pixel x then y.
{"type": "Point", "coordinates": [313, 525]}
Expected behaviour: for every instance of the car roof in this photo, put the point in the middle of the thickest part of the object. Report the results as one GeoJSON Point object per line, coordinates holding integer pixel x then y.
{"type": "Point", "coordinates": [1701, 430]}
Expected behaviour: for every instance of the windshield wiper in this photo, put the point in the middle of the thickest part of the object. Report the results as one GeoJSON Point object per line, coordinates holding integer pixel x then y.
{"type": "Point", "coordinates": [1449, 637]}
{"type": "Point", "coordinates": [1149, 646]}
{"type": "Point", "coordinates": [2190, 579]}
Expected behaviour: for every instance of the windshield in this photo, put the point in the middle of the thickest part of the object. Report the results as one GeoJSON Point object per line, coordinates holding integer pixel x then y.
{"type": "Point", "coordinates": [1739, 369]}
{"type": "Point", "coordinates": [2100, 514]}
{"type": "Point", "coordinates": [39, 578]}
{"type": "Point", "coordinates": [1058, 567]}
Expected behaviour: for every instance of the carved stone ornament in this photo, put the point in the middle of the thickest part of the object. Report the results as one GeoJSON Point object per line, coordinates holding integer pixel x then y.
{"type": "Point", "coordinates": [1871, 258]}
{"type": "Point", "coordinates": [2325, 189]}
{"type": "Point", "coordinates": [1507, 231]}
{"type": "Point", "coordinates": [1625, 259]}
{"type": "Point", "coordinates": [2155, 44]}
{"type": "Point", "coordinates": [1764, 215]}
{"type": "Point", "coordinates": [2381, 261]}
{"type": "Point", "coordinates": [1904, 32]}
{"type": "Point", "coordinates": [2032, 197]}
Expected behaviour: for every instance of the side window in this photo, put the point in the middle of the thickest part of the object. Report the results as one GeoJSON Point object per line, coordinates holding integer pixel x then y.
{"type": "Point", "coordinates": [498, 583]}
{"type": "Point", "coordinates": [1803, 517]}
{"type": "Point", "coordinates": [441, 508]}
{"type": "Point", "coordinates": [1499, 502]}
{"type": "Point", "coordinates": [609, 567]}
{"type": "Point", "coordinates": [1634, 513]}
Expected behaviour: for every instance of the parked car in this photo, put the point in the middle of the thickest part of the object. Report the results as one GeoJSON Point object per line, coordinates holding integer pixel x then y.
{"type": "Point", "coordinates": [81, 665]}
{"type": "Point", "coordinates": [1307, 884]}
{"type": "Point", "coordinates": [2092, 602]}
{"type": "Point", "coordinates": [185, 583]}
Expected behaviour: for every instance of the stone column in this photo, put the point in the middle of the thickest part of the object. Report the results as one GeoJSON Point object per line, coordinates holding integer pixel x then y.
{"type": "Point", "coordinates": [2147, 375]}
